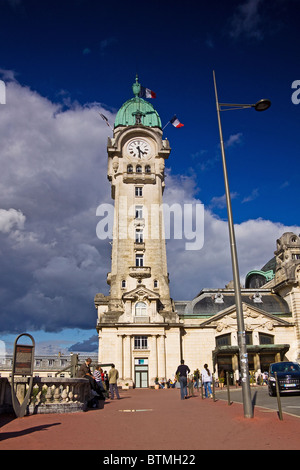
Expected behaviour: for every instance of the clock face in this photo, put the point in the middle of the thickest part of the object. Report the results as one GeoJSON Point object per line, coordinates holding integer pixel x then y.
{"type": "Point", "coordinates": [138, 148]}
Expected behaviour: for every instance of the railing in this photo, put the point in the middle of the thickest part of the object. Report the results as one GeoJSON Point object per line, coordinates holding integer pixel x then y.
{"type": "Point", "coordinates": [49, 394]}
{"type": "Point", "coordinates": [140, 271]}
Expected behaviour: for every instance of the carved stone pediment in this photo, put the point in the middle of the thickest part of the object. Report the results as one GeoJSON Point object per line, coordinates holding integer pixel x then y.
{"type": "Point", "coordinates": [140, 294]}
{"type": "Point", "coordinates": [254, 318]}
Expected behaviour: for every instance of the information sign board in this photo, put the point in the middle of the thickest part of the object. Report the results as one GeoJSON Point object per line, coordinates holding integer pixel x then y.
{"type": "Point", "coordinates": [22, 365]}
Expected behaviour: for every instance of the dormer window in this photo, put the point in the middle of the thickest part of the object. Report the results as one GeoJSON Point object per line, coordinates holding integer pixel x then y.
{"type": "Point", "coordinates": [257, 298]}
{"type": "Point", "coordinates": [219, 298]}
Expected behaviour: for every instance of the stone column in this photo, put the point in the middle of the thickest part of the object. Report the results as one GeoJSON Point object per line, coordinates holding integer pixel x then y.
{"type": "Point", "coordinates": [154, 371]}
{"type": "Point", "coordinates": [127, 358]}
{"type": "Point", "coordinates": [120, 360]}
{"type": "Point", "coordinates": [161, 356]}
{"type": "Point", "coordinates": [100, 355]}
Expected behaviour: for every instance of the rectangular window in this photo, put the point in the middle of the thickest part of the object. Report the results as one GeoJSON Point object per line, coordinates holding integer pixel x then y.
{"type": "Point", "coordinates": [266, 339]}
{"type": "Point", "coordinates": [138, 191]}
{"type": "Point", "coordinates": [138, 212]}
{"type": "Point", "coordinates": [141, 342]}
{"type": "Point", "coordinates": [223, 340]}
{"type": "Point", "coordinates": [249, 338]}
{"type": "Point", "coordinates": [139, 260]}
{"type": "Point", "coordinates": [139, 237]}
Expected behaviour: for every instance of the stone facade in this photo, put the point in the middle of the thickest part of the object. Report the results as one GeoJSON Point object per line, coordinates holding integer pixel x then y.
{"type": "Point", "coordinates": [141, 329]}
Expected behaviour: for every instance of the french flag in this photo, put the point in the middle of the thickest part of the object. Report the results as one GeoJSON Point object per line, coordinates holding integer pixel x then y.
{"type": "Point", "coordinates": [146, 93]}
{"type": "Point", "coordinates": [176, 122]}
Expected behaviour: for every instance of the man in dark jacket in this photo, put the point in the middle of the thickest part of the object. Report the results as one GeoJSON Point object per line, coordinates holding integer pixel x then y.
{"type": "Point", "coordinates": [182, 372]}
{"type": "Point", "coordinates": [85, 372]}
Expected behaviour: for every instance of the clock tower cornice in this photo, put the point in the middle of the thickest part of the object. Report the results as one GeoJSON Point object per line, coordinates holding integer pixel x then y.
{"type": "Point", "coordinates": [116, 144]}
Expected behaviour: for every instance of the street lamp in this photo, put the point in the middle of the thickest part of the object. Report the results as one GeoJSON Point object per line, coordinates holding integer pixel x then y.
{"type": "Point", "coordinates": [261, 105]}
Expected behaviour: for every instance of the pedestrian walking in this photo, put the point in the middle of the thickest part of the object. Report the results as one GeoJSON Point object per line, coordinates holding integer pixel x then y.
{"type": "Point", "coordinates": [113, 376]}
{"type": "Point", "coordinates": [206, 380]}
{"type": "Point", "coordinates": [182, 371]}
{"type": "Point", "coordinates": [196, 378]}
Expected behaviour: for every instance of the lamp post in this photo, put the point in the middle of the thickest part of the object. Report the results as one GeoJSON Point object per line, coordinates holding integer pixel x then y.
{"type": "Point", "coordinates": [261, 105]}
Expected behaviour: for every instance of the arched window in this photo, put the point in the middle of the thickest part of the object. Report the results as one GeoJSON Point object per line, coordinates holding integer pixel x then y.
{"type": "Point", "coordinates": [147, 169]}
{"type": "Point", "coordinates": [129, 169]}
{"type": "Point", "coordinates": [140, 309]}
{"type": "Point", "coordinates": [138, 169]}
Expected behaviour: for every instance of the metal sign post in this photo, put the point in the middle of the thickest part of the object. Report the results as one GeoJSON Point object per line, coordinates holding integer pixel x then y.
{"type": "Point", "coordinates": [22, 365]}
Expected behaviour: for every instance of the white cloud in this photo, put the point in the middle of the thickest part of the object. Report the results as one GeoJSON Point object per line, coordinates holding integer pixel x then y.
{"type": "Point", "coordinates": [247, 20]}
{"type": "Point", "coordinates": [234, 139]}
{"type": "Point", "coordinates": [10, 219]}
{"type": "Point", "coordinates": [254, 195]}
{"type": "Point", "coordinates": [220, 201]}
{"type": "Point", "coordinates": [191, 271]}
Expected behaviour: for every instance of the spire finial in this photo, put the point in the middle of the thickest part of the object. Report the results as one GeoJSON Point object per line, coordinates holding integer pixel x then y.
{"type": "Point", "coordinates": [136, 87]}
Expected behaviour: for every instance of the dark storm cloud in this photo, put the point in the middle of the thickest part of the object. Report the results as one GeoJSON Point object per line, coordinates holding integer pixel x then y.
{"type": "Point", "coordinates": [52, 180]}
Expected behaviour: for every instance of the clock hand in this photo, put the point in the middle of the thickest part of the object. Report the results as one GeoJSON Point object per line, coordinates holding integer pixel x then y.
{"type": "Point", "coordinates": [140, 151]}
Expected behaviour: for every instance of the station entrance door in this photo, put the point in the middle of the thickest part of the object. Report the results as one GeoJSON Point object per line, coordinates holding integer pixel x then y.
{"type": "Point", "coordinates": [141, 373]}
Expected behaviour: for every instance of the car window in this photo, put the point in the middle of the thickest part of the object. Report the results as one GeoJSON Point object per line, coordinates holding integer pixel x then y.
{"type": "Point", "coordinates": [285, 367]}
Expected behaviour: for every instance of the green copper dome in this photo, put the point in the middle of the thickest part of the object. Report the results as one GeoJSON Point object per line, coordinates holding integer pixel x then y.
{"type": "Point", "coordinates": [137, 111]}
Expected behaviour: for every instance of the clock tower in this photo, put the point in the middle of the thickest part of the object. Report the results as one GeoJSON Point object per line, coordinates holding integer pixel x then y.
{"type": "Point", "coordinates": [133, 318]}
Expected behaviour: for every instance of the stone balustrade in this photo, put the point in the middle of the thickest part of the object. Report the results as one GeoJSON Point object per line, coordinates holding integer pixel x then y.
{"type": "Point", "coordinates": [49, 394]}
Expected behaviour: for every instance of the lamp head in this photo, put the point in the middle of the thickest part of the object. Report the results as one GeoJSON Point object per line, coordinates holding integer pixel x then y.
{"type": "Point", "coordinates": [262, 105]}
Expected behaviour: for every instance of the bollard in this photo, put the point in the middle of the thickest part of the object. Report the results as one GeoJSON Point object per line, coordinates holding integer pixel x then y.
{"type": "Point", "coordinates": [278, 398]}
{"type": "Point", "coordinates": [228, 389]}
{"type": "Point", "coordinates": [213, 390]}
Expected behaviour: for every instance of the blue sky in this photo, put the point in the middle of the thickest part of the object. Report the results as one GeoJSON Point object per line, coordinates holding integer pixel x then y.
{"type": "Point", "coordinates": [63, 62]}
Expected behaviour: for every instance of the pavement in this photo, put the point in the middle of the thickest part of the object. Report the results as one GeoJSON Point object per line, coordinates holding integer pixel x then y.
{"type": "Point", "coordinates": [148, 419]}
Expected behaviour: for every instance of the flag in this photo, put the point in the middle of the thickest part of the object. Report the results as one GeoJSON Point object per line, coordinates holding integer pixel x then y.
{"type": "Point", "coordinates": [176, 122]}
{"type": "Point", "coordinates": [104, 118]}
{"type": "Point", "coordinates": [146, 93]}
{"type": "Point", "coordinates": [2, 92]}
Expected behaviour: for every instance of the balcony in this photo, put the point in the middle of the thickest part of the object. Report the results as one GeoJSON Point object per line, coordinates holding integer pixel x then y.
{"type": "Point", "coordinates": [140, 272]}
{"type": "Point", "coordinates": [144, 178]}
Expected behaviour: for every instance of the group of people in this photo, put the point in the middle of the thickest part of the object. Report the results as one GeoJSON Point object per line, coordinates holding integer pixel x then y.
{"type": "Point", "coordinates": [101, 383]}
{"type": "Point", "coordinates": [206, 377]}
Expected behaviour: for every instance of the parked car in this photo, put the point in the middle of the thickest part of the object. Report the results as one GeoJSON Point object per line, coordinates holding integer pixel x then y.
{"type": "Point", "coordinates": [288, 376]}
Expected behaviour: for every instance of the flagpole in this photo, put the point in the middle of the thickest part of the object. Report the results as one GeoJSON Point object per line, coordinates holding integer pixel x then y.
{"type": "Point", "coordinates": [166, 125]}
